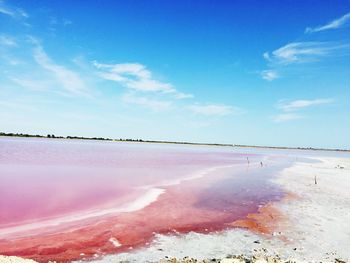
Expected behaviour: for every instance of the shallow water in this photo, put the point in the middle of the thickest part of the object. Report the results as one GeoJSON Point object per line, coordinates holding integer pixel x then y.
{"type": "Point", "coordinates": [71, 199]}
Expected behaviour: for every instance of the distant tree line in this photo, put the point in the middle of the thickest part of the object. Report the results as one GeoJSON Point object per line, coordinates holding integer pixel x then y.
{"type": "Point", "coordinates": [52, 136]}
{"type": "Point", "coordinates": [290, 148]}
{"type": "Point", "coordinates": [130, 140]}
{"type": "Point", "coordinates": [21, 135]}
{"type": "Point", "coordinates": [151, 141]}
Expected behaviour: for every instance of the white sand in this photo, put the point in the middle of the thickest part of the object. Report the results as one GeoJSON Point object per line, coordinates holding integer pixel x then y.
{"type": "Point", "coordinates": [6, 259]}
{"type": "Point", "coordinates": [317, 229]}
{"type": "Point", "coordinates": [319, 222]}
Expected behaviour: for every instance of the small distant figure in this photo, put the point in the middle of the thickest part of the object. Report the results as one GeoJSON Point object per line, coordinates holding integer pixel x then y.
{"type": "Point", "coordinates": [261, 163]}
{"type": "Point", "coordinates": [248, 160]}
{"type": "Point", "coordinates": [315, 179]}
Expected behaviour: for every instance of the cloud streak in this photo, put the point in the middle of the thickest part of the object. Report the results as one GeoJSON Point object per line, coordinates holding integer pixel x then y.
{"type": "Point", "coordinates": [69, 80]}
{"type": "Point", "coordinates": [137, 77]}
{"type": "Point", "coordinates": [152, 104]}
{"type": "Point", "coordinates": [31, 84]}
{"type": "Point", "coordinates": [213, 109]}
{"type": "Point", "coordinates": [335, 24]}
{"type": "Point", "coordinates": [300, 104]}
{"type": "Point", "coordinates": [300, 52]}
{"type": "Point", "coordinates": [12, 12]}
{"type": "Point", "coordinates": [290, 109]}
{"type": "Point", "coordinates": [8, 41]}
{"type": "Point", "coordinates": [284, 117]}
{"type": "Point", "coordinates": [269, 74]}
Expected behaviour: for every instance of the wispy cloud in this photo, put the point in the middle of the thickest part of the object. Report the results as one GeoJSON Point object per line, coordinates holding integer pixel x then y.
{"type": "Point", "coordinates": [337, 23]}
{"type": "Point", "coordinates": [300, 52]}
{"type": "Point", "coordinates": [6, 11]}
{"type": "Point", "coordinates": [16, 105]}
{"type": "Point", "coordinates": [67, 22]}
{"type": "Point", "coordinates": [300, 104]}
{"type": "Point", "coordinates": [136, 77]}
{"type": "Point", "coordinates": [68, 79]}
{"type": "Point", "coordinates": [286, 117]}
{"type": "Point", "coordinates": [12, 12]}
{"type": "Point", "coordinates": [8, 41]}
{"type": "Point", "coordinates": [31, 84]}
{"type": "Point", "coordinates": [269, 74]}
{"type": "Point", "coordinates": [154, 105]}
{"type": "Point", "coordinates": [10, 60]}
{"type": "Point", "coordinates": [213, 109]}
{"type": "Point", "coordinates": [291, 109]}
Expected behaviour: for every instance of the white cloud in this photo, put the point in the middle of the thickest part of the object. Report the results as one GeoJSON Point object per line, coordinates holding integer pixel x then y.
{"type": "Point", "coordinates": [213, 109]}
{"type": "Point", "coordinates": [337, 23]}
{"type": "Point", "coordinates": [269, 74]}
{"type": "Point", "coordinates": [66, 22]}
{"type": "Point", "coordinates": [22, 13]}
{"type": "Point", "coordinates": [12, 12]}
{"type": "Point", "coordinates": [10, 60]}
{"type": "Point", "coordinates": [300, 104]}
{"type": "Point", "coordinates": [8, 41]}
{"type": "Point", "coordinates": [299, 52]}
{"type": "Point", "coordinates": [266, 55]}
{"type": "Point", "coordinates": [32, 84]}
{"type": "Point", "coordinates": [55, 22]}
{"type": "Point", "coordinates": [287, 117]}
{"type": "Point", "coordinates": [6, 11]}
{"type": "Point", "coordinates": [68, 79]}
{"type": "Point", "coordinates": [180, 95]}
{"type": "Point", "coordinates": [146, 84]}
{"type": "Point", "coordinates": [289, 108]}
{"type": "Point", "coordinates": [155, 105]}
{"type": "Point", "coordinates": [136, 77]}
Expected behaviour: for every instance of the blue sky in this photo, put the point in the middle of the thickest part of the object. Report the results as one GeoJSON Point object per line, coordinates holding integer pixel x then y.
{"type": "Point", "coordinates": [243, 72]}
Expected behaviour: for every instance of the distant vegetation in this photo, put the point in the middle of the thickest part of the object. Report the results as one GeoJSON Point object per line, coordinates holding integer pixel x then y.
{"type": "Point", "coordinates": [290, 148]}
{"type": "Point", "coordinates": [52, 136]}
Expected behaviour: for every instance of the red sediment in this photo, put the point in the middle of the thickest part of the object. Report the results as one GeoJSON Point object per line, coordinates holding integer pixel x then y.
{"type": "Point", "coordinates": [267, 218]}
{"type": "Point", "coordinates": [264, 221]}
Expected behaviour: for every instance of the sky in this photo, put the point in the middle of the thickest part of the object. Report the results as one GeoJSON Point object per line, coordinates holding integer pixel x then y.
{"type": "Point", "coordinates": [247, 72]}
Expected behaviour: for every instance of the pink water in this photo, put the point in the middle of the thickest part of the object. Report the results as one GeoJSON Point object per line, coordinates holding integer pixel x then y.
{"type": "Point", "coordinates": [61, 199]}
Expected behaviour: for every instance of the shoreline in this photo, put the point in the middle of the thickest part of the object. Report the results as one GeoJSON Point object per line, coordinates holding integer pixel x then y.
{"type": "Point", "coordinates": [258, 258]}
{"type": "Point", "coordinates": [235, 146]}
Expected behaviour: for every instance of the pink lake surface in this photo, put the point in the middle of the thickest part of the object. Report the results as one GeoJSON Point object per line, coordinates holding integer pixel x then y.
{"type": "Point", "coordinates": [61, 199]}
